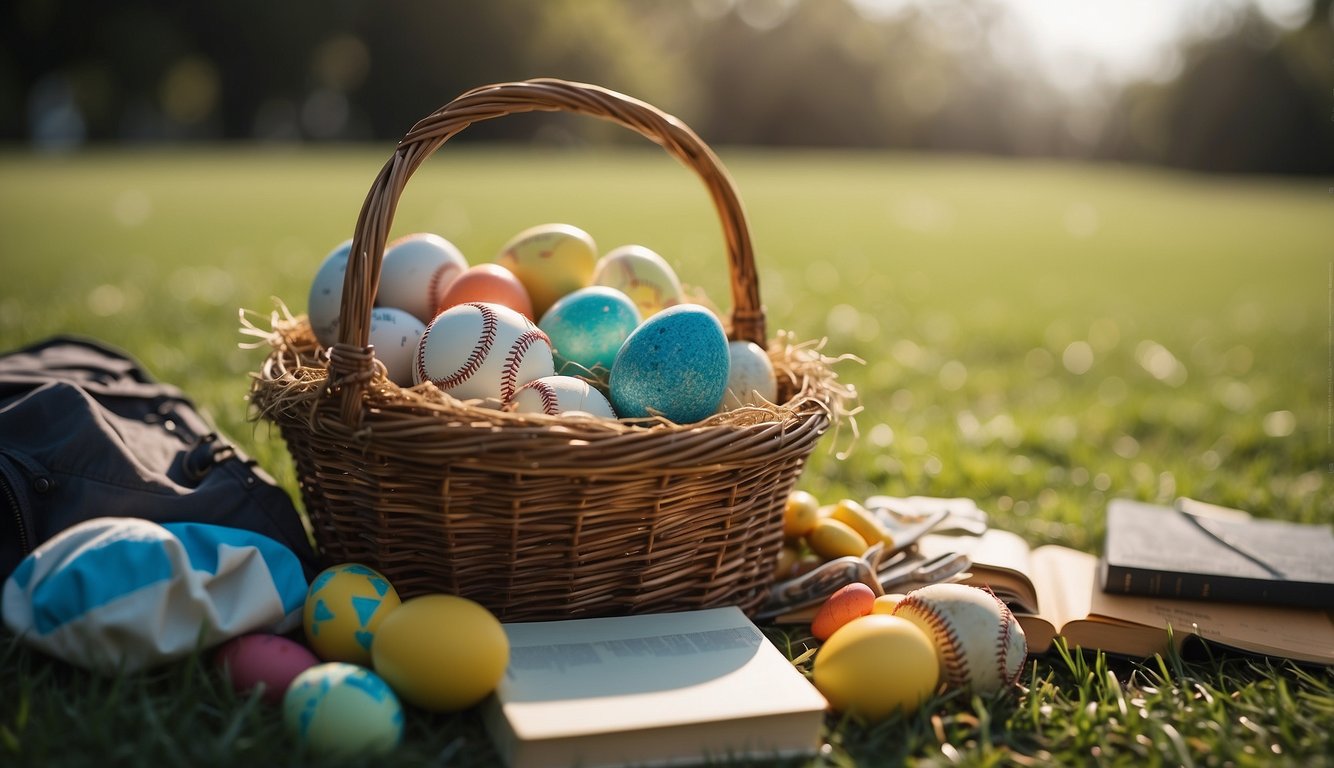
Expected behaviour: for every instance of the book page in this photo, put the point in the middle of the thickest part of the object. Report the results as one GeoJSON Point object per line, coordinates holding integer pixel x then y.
{"type": "Point", "coordinates": [1065, 580]}
{"type": "Point", "coordinates": [1299, 633]}
{"type": "Point", "coordinates": [589, 676]}
{"type": "Point", "coordinates": [1000, 560]}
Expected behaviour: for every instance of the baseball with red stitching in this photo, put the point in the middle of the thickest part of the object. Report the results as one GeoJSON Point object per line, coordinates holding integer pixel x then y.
{"type": "Point", "coordinates": [557, 395]}
{"type": "Point", "coordinates": [979, 643]}
{"type": "Point", "coordinates": [482, 351]}
{"type": "Point", "coordinates": [416, 271]}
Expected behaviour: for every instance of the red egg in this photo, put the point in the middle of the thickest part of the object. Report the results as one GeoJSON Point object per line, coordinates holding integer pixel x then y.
{"type": "Point", "coordinates": [272, 661]}
{"type": "Point", "coordinates": [850, 602]}
{"type": "Point", "coordinates": [489, 283]}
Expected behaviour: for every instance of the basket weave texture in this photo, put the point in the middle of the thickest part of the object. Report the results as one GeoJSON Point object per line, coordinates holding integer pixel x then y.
{"type": "Point", "coordinates": [538, 517]}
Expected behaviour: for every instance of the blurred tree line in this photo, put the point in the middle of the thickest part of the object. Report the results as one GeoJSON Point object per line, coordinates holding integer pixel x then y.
{"type": "Point", "coordinates": [1245, 96]}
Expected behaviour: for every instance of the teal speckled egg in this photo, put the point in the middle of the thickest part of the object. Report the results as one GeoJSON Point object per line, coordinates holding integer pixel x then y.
{"type": "Point", "coordinates": [343, 709]}
{"type": "Point", "coordinates": [587, 328]}
{"type": "Point", "coordinates": [674, 365]}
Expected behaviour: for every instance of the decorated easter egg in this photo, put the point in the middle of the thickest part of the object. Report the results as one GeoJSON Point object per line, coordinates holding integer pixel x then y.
{"type": "Point", "coordinates": [558, 395]}
{"type": "Point", "coordinates": [673, 365]}
{"type": "Point", "coordinates": [550, 260]}
{"type": "Point", "coordinates": [750, 376]}
{"type": "Point", "coordinates": [415, 273]}
{"type": "Point", "coordinates": [587, 328]}
{"type": "Point", "coordinates": [875, 666]}
{"type": "Point", "coordinates": [480, 351]}
{"type": "Point", "coordinates": [326, 295]}
{"type": "Point", "coordinates": [395, 334]}
{"type": "Point", "coordinates": [490, 284]}
{"type": "Point", "coordinates": [344, 605]}
{"type": "Point", "coordinates": [442, 652]}
{"type": "Point", "coordinates": [268, 662]}
{"type": "Point", "coordinates": [343, 710]}
{"type": "Point", "coordinates": [851, 601]}
{"type": "Point", "coordinates": [641, 274]}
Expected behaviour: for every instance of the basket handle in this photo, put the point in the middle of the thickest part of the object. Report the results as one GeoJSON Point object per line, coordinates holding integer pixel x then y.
{"type": "Point", "coordinates": [350, 359]}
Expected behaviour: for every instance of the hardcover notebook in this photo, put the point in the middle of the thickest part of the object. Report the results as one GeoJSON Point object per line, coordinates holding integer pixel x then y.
{"type": "Point", "coordinates": [1053, 591]}
{"type": "Point", "coordinates": [1196, 551]}
{"type": "Point", "coordinates": [656, 689]}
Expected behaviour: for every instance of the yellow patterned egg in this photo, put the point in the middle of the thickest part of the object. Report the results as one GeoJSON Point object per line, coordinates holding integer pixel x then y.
{"type": "Point", "coordinates": [642, 275]}
{"type": "Point", "coordinates": [344, 606]}
{"type": "Point", "coordinates": [550, 260]}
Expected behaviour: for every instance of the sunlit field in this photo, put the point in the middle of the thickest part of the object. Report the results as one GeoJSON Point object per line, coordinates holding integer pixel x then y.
{"type": "Point", "coordinates": [1040, 337]}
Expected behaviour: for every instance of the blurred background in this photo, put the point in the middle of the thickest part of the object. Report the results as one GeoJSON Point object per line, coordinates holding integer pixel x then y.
{"type": "Point", "coordinates": [1228, 86]}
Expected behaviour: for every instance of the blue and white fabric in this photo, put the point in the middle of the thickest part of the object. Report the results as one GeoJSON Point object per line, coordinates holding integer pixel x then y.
{"type": "Point", "coordinates": [125, 594]}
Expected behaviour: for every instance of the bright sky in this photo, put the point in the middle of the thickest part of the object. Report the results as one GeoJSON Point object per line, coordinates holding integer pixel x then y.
{"type": "Point", "coordinates": [1127, 39]}
{"type": "Point", "coordinates": [1131, 37]}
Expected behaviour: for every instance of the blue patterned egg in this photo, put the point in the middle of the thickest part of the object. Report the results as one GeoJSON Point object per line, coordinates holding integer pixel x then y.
{"type": "Point", "coordinates": [343, 710]}
{"type": "Point", "coordinates": [674, 365]}
{"type": "Point", "coordinates": [587, 328]}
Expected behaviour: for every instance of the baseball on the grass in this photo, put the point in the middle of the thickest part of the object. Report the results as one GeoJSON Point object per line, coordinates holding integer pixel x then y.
{"type": "Point", "coordinates": [980, 645]}
{"type": "Point", "coordinates": [482, 351]}
{"type": "Point", "coordinates": [416, 271]}
{"type": "Point", "coordinates": [326, 295]}
{"type": "Point", "coordinates": [558, 395]}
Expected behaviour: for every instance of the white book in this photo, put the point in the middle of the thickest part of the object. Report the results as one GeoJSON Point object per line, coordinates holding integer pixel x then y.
{"type": "Point", "coordinates": [656, 689]}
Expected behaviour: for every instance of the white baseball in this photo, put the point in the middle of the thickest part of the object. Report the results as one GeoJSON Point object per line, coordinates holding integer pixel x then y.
{"type": "Point", "coordinates": [416, 271]}
{"type": "Point", "coordinates": [480, 351]}
{"type": "Point", "coordinates": [557, 395]}
{"type": "Point", "coordinates": [978, 642]}
{"type": "Point", "coordinates": [750, 376]}
{"type": "Point", "coordinates": [395, 335]}
{"type": "Point", "coordinates": [326, 295]}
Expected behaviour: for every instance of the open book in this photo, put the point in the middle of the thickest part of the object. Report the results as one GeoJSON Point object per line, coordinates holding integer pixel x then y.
{"type": "Point", "coordinates": [654, 689]}
{"type": "Point", "coordinates": [1053, 591]}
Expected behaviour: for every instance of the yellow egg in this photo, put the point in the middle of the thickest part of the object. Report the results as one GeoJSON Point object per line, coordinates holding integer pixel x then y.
{"type": "Point", "coordinates": [876, 665]}
{"type": "Point", "coordinates": [441, 652]}
{"type": "Point", "coordinates": [550, 260]}
{"type": "Point", "coordinates": [831, 538]}
{"type": "Point", "coordinates": [887, 603]}
{"type": "Point", "coordinates": [863, 521]}
{"type": "Point", "coordinates": [799, 514]}
{"type": "Point", "coordinates": [642, 275]}
{"type": "Point", "coordinates": [344, 606]}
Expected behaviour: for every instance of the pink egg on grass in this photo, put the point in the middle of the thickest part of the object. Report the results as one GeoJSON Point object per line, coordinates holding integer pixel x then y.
{"type": "Point", "coordinates": [270, 661]}
{"type": "Point", "coordinates": [489, 284]}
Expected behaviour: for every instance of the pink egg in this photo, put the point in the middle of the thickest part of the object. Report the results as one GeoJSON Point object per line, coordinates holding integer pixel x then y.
{"type": "Point", "coordinates": [269, 660]}
{"type": "Point", "coordinates": [489, 283]}
{"type": "Point", "coordinates": [850, 602]}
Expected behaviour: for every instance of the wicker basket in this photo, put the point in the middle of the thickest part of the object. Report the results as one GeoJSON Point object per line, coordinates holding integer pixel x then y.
{"type": "Point", "coordinates": [533, 516]}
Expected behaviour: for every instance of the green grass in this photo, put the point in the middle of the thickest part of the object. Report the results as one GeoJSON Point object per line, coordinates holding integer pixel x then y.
{"type": "Point", "coordinates": [1038, 336]}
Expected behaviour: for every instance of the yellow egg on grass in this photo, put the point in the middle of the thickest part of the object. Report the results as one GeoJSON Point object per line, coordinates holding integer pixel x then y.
{"type": "Point", "coordinates": [344, 606]}
{"type": "Point", "coordinates": [876, 665]}
{"type": "Point", "coordinates": [550, 260]}
{"type": "Point", "coordinates": [441, 652]}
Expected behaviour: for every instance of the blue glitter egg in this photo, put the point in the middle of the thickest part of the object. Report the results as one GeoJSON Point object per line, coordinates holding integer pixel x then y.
{"type": "Point", "coordinates": [674, 365]}
{"type": "Point", "coordinates": [587, 328]}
